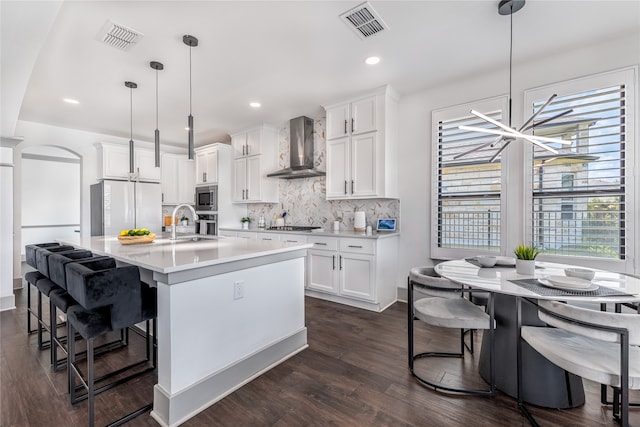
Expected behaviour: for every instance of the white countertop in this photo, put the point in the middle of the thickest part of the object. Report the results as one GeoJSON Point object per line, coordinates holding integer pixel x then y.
{"type": "Point", "coordinates": [168, 256]}
{"type": "Point", "coordinates": [326, 233]}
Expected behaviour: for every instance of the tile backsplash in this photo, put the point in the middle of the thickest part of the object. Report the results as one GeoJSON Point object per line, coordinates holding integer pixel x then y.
{"type": "Point", "coordinates": [304, 199]}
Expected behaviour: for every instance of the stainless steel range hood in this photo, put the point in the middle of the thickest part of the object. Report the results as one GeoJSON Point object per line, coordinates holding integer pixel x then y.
{"type": "Point", "coordinates": [300, 151]}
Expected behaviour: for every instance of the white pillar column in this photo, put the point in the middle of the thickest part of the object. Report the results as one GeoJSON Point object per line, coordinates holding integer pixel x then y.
{"type": "Point", "coordinates": [7, 299]}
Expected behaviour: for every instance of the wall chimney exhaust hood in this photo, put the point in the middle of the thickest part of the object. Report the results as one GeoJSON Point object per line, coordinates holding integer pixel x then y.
{"type": "Point", "coordinates": [300, 151]}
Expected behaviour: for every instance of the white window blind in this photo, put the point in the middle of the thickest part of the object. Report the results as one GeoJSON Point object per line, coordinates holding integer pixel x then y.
{"type": "Point", "coordinates": [467, 210]}
{"type": "Point", "coordinates": [579, 199]}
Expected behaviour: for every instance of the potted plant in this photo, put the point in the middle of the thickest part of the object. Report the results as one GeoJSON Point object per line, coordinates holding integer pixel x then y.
{"type": "Point", "coordinates": [525, 259]}
{"type": "Point", "coordinates": [245, 222]}
{"type": "Point", "coordinates": [184, 220]}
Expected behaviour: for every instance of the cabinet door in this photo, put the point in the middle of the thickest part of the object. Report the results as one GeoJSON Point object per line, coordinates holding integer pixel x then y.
{"type": "Point", "coordinates": [338, 119]}
{"type": "Point", "coordinates": [146, 165]}
{"type": "Point", "coordinates": [321, 271]}
{"type": "Point", "coordinates": [201, 167]}
{"type": "Point", "coordinates": [254, 139]}
{"type": "Point", "coordinates": [211, 171]}
{"type": "Point", "coordinates": [363, 165]}
{"type": "Point", "coordinates": [186, 180]}
{"type": "Point", "coordinates": [238, 142]}
{"type": "Point", "coordinates": [115, 162]}
{"type": "Point", "coordinates": [338, 175]}
{"type": "Point", "coordinates": [363, 114]}
{"type": "Point", "coordinates": [254, 179]}
{"type": "Point", "coordinates": [357, 276]}
{"type": "Point", "coordinates": [239, 179]}
{"type": "Point", "coordinates": [169, 177]}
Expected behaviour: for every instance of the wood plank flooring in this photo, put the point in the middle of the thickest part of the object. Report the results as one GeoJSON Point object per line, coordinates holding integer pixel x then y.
{"type": "Point", "coordinates": [354, 373]}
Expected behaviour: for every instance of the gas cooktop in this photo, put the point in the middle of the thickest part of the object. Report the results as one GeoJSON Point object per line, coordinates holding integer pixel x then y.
{"type": "Point", "coordinates": [294, 228]}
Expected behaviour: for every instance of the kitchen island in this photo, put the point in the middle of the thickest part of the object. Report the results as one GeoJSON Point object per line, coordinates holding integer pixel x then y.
{"type": "Point", "coordinates": [229, 309]}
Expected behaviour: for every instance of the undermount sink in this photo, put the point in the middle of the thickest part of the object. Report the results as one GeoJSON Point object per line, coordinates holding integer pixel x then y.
{"type": "Point", "coordinates": [196, 237]}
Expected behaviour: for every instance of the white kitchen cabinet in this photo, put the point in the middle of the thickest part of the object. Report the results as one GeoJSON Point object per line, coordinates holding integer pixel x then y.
{"type": "Point", "coordinates": [353, 271]}
{"type": "Point", "coordinates": [177, 179]}
{"type": "Point", "coordinates": [352, 118]}
{"type": "Point", "coordinates": [227, 233]}
{"type": "Point", "coordinates": [207, 166]}
{"type": "Point", "coordinates": [114, 162]}
{"type": "Point", "coordinates": [250, 184]}
{"type": "Point", "coordinates": [249, 142]}
{"type": "Point", "coordinates": [362, 147]}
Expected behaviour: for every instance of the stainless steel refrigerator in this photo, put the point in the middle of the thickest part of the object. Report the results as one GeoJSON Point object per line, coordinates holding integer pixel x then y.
{"type": "Point", "coordinates": [123, 205]}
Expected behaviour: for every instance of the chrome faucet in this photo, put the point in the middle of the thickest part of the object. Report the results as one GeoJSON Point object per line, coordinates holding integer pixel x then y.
{"type": "Point", "coordinates": [173, 226]}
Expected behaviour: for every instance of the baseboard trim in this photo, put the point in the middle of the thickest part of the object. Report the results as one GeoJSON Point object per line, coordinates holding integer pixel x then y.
{"type": "Point", "coordinates": [173, 410]}
{"type": "Point", "coordinates": [402, 294]}
{"type": "Point", "coordinates": [7, 302]}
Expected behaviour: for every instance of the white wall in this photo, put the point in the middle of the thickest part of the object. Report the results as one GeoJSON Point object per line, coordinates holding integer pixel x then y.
{"type": "Point", "coordinates": [415, 132]}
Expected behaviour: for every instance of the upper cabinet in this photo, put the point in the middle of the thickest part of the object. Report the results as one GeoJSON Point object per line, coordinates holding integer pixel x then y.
{"type": "Point", "coordinates": [114, 162]}
{"type": "Point", "coordinates": [362, 147]}
{"type": "Point", "coordinates": [177, 179]}
{"type": "Point", "coordinates": [207, 165]}
{"type": "Point", "coordinates": [256, 154]}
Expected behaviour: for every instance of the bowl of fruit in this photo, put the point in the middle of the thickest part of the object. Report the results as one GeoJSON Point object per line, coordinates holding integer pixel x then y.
{"type": "Point", "coordinates": [136, 236]}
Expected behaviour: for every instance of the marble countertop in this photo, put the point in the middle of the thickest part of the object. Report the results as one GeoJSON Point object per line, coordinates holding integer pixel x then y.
{"type": "Point", "coordinates": [343, 233]}
{"type": "Point", "coordinates": [169, 256]}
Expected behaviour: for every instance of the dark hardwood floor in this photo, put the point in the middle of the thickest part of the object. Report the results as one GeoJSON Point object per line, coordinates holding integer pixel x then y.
{"type": "Point", "coordinates": [354, 373]}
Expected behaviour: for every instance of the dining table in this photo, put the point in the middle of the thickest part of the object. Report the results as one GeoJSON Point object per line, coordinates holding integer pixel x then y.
{"type": "Point", "coordinates": [544, 384]}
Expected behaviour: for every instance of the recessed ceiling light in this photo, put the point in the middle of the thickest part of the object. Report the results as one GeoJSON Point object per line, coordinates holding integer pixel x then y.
{"type": "Point", "coordinates": [71, 101]}
{"type": "Point", "coordinates": [255, 104]}
{"type": "Point", "coordinates": [372, 60]}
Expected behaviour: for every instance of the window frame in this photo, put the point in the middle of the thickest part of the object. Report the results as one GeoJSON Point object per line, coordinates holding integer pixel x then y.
{"type": "Point", "coordinates": [628, 77]}
{"type": "Point", "coordinates": [450, 113]}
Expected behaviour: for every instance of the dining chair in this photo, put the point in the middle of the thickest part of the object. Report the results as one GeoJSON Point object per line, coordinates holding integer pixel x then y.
{"type": "Point", "coordinates": [601, 346]}
{"type": "Point", "coordinates": [443, 305]}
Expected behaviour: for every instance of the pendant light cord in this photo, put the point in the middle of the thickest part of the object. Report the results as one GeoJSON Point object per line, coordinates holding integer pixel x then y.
{"type": "Point", "coordinates": [190, 92]}
{"type": "Point", "coordinates": [131, 113]}
{"type": "Point", "coordinates": [156, 99]}
{"type": "Point", "coordinates": [510, 59]}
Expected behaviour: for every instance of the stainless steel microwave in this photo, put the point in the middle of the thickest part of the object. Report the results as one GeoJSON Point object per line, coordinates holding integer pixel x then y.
{"type": "Point", "coordinates": [207, 198]}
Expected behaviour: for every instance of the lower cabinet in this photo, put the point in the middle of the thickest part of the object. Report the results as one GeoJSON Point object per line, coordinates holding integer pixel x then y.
{"type": "Point", "coordinates": [358, 272]}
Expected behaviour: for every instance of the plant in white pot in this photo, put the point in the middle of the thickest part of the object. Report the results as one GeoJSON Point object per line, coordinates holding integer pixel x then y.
{"type": "Point", "coordinates": [245, 222]}
{"type": "Point", "coordinates": [525, 259]}
{"type": "Point", "coordinates": [184, 220]}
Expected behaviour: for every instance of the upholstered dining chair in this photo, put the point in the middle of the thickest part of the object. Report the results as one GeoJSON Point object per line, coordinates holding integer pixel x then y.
{"type": "Point", "coordinates": [601, 346]}
{"type": "Point", "coordinates": [437, 301]}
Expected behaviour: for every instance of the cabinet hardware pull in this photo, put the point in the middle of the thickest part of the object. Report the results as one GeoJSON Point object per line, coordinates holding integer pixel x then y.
{"type": "Point", "coordinates": [204, 176]}
{"type": "Point", "coordinates": [247, 149]}
{"type": "Point", "coordinates": [163, 197]}
{"type": "Point", "coordinates": [242, 194]}
{"type": "Point", "coordinates": [351, 186]}
{"type": "Point", "coordinates": [345, 186]}
{"type": "Point", "coordinates": [340, 261]}
{"type": "Point", "coordinates": [352, 126]}
{"type": "Point", "coordinates": [354, 246]}
{"type": "Point", "coordinates": [345, 126]}
{"type": "Point", "coordinates": [243, 149]}
{"type": "Point", "coordinates": [264, 238]}
{"type": "Point", "coordinates": [291, 241]}
{"type": "Point", "coordinates": [334, 262]}
{"type": "Point", "coordinates": [321, 244]}
{"type": "Point", "coordinates": [247, 194]}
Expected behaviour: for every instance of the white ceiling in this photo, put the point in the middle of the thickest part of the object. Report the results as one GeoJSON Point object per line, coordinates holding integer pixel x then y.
{"type": "Point", "coordinates": [292, 56]}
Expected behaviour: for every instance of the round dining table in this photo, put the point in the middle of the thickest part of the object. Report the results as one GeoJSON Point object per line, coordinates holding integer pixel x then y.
{"type": "Point", "coordinates": [544, 384]}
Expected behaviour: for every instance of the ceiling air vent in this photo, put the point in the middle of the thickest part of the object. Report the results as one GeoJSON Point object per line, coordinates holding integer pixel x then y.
{"type": "Point", "coordinates": [364, 20]}
{"type": "Point", "coordinates": [118, 36]}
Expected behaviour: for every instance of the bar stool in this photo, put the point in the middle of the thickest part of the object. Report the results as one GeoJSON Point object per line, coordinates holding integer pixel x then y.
{"type": "Point", "coordinates": [445, 307]}
{"type": "Point", "coordinates": [32, 277]}
{"type": "Point", "coordinates": [59, 298]}
{"type": "Point", "coordinates": [108, 300]}
{"type": "Point", "coordinates": [43, 285]}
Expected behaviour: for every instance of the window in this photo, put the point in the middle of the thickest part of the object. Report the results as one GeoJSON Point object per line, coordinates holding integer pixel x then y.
{"type": "Point", "coordinates": [581, 201]}
{"type": "Point", "coordinates": [467, 210]}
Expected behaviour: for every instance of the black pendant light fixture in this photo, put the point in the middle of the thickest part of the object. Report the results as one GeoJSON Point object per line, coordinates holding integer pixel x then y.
{"type": "Point", "coordinates": [191, 42]}
{"type": "Point", "coordinates": [507, 134]}
{"type": "Point", "coordinates": [131, 86]}
{"type": "Point", "coordinates": [158, 67]}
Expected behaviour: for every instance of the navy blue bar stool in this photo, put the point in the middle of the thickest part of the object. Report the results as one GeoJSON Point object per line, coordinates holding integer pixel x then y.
{"type": "Point", "coordinates": [108, 299]}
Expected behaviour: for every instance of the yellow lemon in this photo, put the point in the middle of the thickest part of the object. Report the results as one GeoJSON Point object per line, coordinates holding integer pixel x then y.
{"type": "Point", "coordinates": [124, 232]}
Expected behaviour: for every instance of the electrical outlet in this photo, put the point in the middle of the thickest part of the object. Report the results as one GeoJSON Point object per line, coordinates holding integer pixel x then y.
{"type": "Point", "coordinates": [238, 289]}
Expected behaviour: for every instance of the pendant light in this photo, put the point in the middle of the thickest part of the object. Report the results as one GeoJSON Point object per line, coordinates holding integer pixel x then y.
{"type": "Point", "coordinates": [508, 134]}
{"type": "Point", "coordinates": [191, 42]}
{"type": "Point", "coordinates": [131, 86]}
{"type": "Point", "coordinates": [158, 67]}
